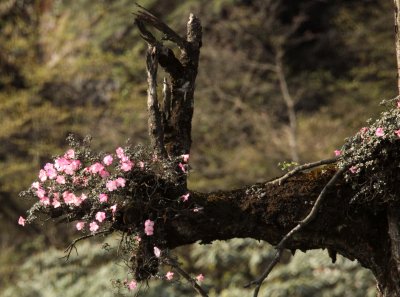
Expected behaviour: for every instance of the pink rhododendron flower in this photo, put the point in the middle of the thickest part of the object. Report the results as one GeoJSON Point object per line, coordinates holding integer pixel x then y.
{"type": "Point", "coordinates": [379, 132]}
{"type": "Point", "coordinates": [60, 179]}
{"type": "Point", "coordinates": [100, 216]}
{"type": "Point", "coordinates": [21, 221]}
{"type": "Point", "coordinates": [185, 158]}
{"type": "Point", "coordinates": [120, 152]}
{"type": "Point", "coordinates": [93, 227]}
{"type": "Point", "coordinates": [127, 165]}
{"type": "Point", "coordinates": [185, 197]}
{"type": "Point", "coordinates": [113, 208]}
{"type": "Point", "coordinates": [70, 154]}
{"type": "Point", "coordinates": [111, 185]}
{"type": "Point", "coordinates": [104, 174]}
{"type": "Point", "coordinates": [61, 163]}
{"type": "Point", "coordinates": [132, 285]}
{"type": "Point", "coordinates": [120, 182]}
{"type": "Point", "coordinates": [397, 132]}
{"type": "Point", "coordinates": [42, 175]}
{"type": "Point", "coordinates": [141, 165]}
{"type": "Point", "coordinates": [36, 185]}
{"type": "Point", "coordinates": [103, 197]}
{"type": "Point", "coordinates": [56, 203]}
{"type": "Point", "coordinates": [337, 153]}
{"type": "Point", "coordinates": [149, 227]}
{"type": "Point", "coordinates": [157, 252]}
{"type": "Point", "coordinates": [108, 160]}
{"type": "Point", "coordinates": [96, 168]}
{"type": "Point", "coordinates": [169, 275]}
{"type": "Point", "coordinates": [80, 225]}
{"type": "Point", "coordinates": [200, 277]}
{"type": "Point", "coordinates": [45, 200]}
{"type": "Point", "coordinates": [50, 171]}
{"type": "Point", "coordinates": [72, 199]}
{"type": "Point", "coordinates": [40, 193]}
{"type": "Point", "coordinates": [182, 167]}
{"type": "Point", "coordinates": [353, 169]}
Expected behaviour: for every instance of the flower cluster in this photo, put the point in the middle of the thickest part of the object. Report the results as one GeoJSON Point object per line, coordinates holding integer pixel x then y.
{"type": "Point", "coordinates": [372, 157]}
{"type": "Point", "coordinates": [94, 190]}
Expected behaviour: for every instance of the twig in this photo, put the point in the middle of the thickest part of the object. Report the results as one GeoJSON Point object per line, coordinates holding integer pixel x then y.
{"type": "Point", "coordinates": [71, 246]}
{"type": "Point", "coordinates": [281, 245]}
{"type": "Point", "coordinates": [301, 168]}
{"type": "Point", "coordinates": [185, 275]}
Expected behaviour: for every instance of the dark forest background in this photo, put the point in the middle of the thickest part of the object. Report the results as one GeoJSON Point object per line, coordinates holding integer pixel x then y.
{"type": "Point", "coordinates": [278, 81]}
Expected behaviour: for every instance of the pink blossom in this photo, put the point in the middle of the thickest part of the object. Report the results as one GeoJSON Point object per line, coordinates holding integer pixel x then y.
{"type": "Point", "coordinates": [100, 216]}
{"type": "Point", "coordinates": [56, 203]}
{"type": "Point", "coordinates": [72, 199]}
{"type": "Point", "coordinates": [200, 277]}
{"type": "Point", "coordinates": [45, 200]}
{"type": "Point", "coordinates": [61, 163]}
{"type": "Point", "coordinates": [182, 167]}
{"type": "Point", "coordinates": [60, 179]}
{"type": "Point", "coordinates": [120, 182]}
{"type": "Point", "coordinates": [149, 227]}
{"type": "Point", "coordinates": [141, 165]}
{"type": "Point", "coordinates": [40, 193]}
{"type": "Point", "coordinates": [42, 175]}
{"type": "Point", "coordinates": [104, 174]}
{"type": "Point", "coordinates": [120, 152]}
{"type": "Point", "coordinates": [35, 185]}
{"type": "Point", "coordinates": [397, 132]}
{"type": "Point", "coordinates": [70, 154]}
{"type": "Point", "coordinates": [398, 104]}
{"type": "Point", "coordinates": [185, 158]}
{"type": "Point", "coordinates": [132, 285]}
{"type": "Point", "coordinates": [96, 168]}
{"type": "Point", "coordinates": [379, 132]}
{"type": "Point", "coordinates": [126, 165]}
{"type": "Point", "coordinates": [157, 252]}
{"type": "Point", "coordinates": [185, 197]}
{"type": "Point", "coordinates": [50, 171]}
{"type": "Point", "coordinates": [353, 169]}
{"type": "Point", "coordinates": [93, 227]}
{"type": "Point", "coordinates": [80, 225]}
{"type": "Point", "coordinates": [83, 197]}
{"type": "Point", "coordinates": [103, 197]}
{"type": "Point", "coordinates": [113, 208]}
{"type": "Point", "coordinates": [108, 160]}
{"type": "Point", "coordinates": [111, 185]}
{"type": "Point", "coordinates": [21, 221]}
{"type": "Point", "coordinates": [169, 275]}
{"type": "Point", "coordinates": [337, 153]}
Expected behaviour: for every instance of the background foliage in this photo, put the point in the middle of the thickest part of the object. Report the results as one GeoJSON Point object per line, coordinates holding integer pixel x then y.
{"type": "Point", "coordinates": [77, 66]}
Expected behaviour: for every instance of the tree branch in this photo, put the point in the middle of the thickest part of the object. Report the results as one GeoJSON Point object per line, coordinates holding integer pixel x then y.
{"type": "Point", "coordinates": [303, 167]}
{"type": "Point", "coordinates": [171, 262]}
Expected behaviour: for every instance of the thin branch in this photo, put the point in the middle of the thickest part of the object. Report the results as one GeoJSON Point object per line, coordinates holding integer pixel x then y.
{"type": "Point", "coordinates": [156, 130]}
{"type": "Point", "coordinates": [71, 246]}
{"type": "Point", "coordinates": [171, 262]}
{"type": "Point", "coordinates": [288, 99]}
{"type": "Point", "coordinates": [306, 166]}
{"type": "Point", "coordinates": [281, 245]}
